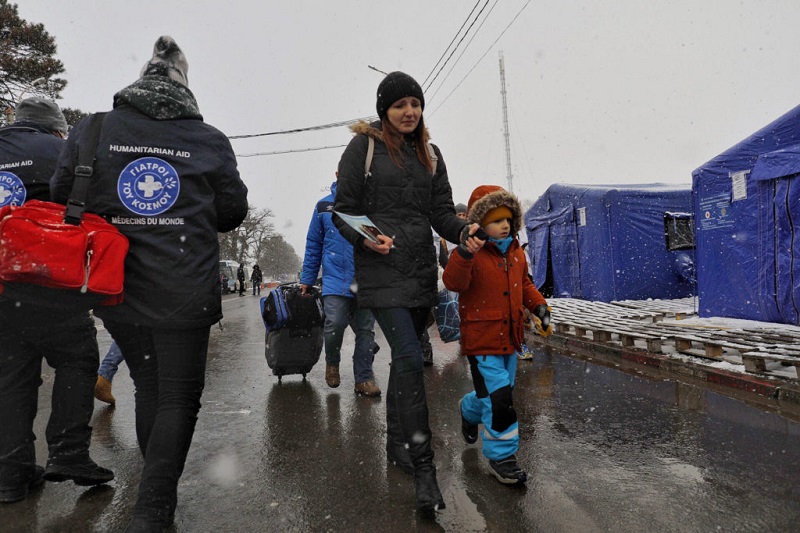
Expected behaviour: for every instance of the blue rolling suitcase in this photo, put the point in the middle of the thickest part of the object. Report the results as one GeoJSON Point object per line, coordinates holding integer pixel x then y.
{"type": "Point", "coordinates": [294, 322]}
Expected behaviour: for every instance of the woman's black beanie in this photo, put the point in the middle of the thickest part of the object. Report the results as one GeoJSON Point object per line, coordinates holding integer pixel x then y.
{"type": "Point", "coordinates": [397, 85]}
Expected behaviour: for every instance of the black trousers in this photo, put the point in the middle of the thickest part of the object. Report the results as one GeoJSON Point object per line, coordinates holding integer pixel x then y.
{"type": "Point", "coordinates": [28, 335]}
{"type": "Point", "coordinates": [168, 371]}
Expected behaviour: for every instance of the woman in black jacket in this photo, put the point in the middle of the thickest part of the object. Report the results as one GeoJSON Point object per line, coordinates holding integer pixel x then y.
{"type": "Point", "coordinates": [169, 182]}
{"type": "Point", "coordinates": [405, 192]}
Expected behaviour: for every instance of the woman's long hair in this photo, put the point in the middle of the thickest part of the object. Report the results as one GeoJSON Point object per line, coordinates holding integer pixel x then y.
{"type": "Point", "coordinates": [393, 139]}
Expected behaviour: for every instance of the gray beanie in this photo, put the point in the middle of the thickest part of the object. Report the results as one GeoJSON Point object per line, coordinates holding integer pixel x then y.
{"type": "Point", "coordinates": [168, 60]}
{"type": "Point", "coordinates": [41, 111]}
{"type": "Point", "coordinates": [397, 85]}
{"type": "Point", "coordinates": [461, 208]}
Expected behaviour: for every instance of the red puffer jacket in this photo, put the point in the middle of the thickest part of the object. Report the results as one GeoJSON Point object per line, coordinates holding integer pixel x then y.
{"type": "Point", "coordinates": [493, 292]}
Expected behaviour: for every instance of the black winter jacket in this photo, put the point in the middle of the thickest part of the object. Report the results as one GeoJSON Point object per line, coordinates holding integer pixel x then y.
{"type": "Point", "coordinates": [28, 155]}
{"type": "Point", "coordinates": [403, 203]}
{"type": "Point", "coordinates": [169, 182]}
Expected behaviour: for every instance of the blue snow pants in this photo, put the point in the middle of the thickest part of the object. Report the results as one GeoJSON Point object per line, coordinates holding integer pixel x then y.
{"type": "Point", "coordinates": [492, 404]}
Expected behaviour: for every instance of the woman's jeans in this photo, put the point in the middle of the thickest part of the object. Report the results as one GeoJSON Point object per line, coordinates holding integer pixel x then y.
{"type": "Point", "coordinates": [341, 311]}
{"type": "Point", "coordinates": [168, 371]}
{"type": "Point", "coordinates": [408, 434]}
{"type": "Point", "coordinates": [110, 363]}
{"type": "Point", "coordinates": [403, 328]}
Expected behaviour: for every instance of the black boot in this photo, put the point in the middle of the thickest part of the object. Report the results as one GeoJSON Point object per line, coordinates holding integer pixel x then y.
{"type": "Point", "coordinates": [396, 449]}
{"type": "Point", "coordinates": [412, 410]}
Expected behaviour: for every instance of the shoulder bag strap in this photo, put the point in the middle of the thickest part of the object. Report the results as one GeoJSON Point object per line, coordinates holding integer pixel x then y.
{"type": "Point", "coordinates": [368, 160]}
{"type": "Point", "coordinates": [433, 155]}
{"type": "Point", "coordinates": [83, 170]}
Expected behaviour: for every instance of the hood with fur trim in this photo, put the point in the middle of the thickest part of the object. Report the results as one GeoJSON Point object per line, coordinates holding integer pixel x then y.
{"type": "Point", "coordinates": [375, 130]}
{"type": "Point", "coordinates": [494, 199]}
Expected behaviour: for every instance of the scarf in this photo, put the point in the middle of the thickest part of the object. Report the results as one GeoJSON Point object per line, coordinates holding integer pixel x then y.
{"type": "Point", "coordinates": [160, 98]}
{"type": "Point", "coordinates": [502, 244]}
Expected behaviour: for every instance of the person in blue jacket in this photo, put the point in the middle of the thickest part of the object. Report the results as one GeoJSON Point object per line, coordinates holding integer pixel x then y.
{"type": "Point", "coordinates": [32, 332]}
{"type": "Point", "coordinates": [326, 248]}
{"type": "Point", "coordinates": [170, 183]}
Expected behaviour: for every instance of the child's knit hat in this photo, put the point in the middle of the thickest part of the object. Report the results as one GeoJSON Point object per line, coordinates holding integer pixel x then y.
{"type": "Point", "coordinates": [489, 203]}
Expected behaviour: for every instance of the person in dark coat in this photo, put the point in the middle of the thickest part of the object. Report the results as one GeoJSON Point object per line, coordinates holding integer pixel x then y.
{"type": "Point", "coordinates": [32, 331]}
{"type": "Point", "coordinates": [405, 193]}
{"type": "Point", "coordinates": [256, 278]}
{"type": "Point", "coordinates": [169, 182]}
{"type": "Point", "coordinates": [241, 278]}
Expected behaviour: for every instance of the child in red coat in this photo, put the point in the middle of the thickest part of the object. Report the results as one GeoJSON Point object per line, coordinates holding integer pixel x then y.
{"type": "Point", "coordinates": [491, 277]}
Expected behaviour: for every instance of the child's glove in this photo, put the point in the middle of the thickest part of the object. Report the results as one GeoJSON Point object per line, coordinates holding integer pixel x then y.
{"type": "Point", "coordinates": [541, 319]}
{"type": "Point", "coordinates": [480, 234]}
{"type": "Point", "coordinates": [528, 320]}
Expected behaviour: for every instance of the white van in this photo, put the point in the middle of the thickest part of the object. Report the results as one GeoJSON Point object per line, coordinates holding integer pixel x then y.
{"type": "Point", "coordinates": [227, 272]}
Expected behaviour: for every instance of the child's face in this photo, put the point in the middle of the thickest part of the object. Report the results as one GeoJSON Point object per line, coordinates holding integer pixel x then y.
{"type": "Point", "coordinates": [498, 229]}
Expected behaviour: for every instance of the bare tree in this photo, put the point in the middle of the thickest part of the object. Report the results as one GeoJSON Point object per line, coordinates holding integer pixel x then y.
{"type": "Point", "coordinates": [244, 243]}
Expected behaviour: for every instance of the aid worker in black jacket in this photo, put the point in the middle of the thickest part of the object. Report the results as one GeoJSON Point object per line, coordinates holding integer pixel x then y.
{"type": "Point", "coordinates": [30, 332]}
{"type": "Point", "coordinates": [169, 182]}
{"type": "Point", "coordinates": [405, 193]}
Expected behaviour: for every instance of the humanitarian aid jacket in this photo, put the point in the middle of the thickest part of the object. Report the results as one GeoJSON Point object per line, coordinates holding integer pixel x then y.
{"type": "Point", "coordinates": [28, 155]}
{"type": "Point", "coordinates": [326, 248]}
{"type": "Point", "coordinates": [169, 182]}
{"type": "Point", "coordinates": [404, 203]}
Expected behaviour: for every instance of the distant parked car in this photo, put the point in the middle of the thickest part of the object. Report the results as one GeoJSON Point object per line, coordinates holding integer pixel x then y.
{"type": "Point", "coordinates": [228, 268]}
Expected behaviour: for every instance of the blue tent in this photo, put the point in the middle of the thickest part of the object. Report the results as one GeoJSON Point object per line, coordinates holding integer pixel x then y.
{"type": "Point", "coordinates": [608, 242]}
{"type": "Point", "coordinates": [746, 204]}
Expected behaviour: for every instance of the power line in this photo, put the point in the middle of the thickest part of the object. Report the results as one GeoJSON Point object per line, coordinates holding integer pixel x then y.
{"type": "Point", "coordinates": [451, 43]}
{"type": "Point", "coordinates": [462, 52]}
{"type": "Point", "coordinates": [292, 151]}
{"type": "Point", "coordinates": [310, 128]}
{"type": "Point", "coordinates": [481, 58]}
{"type": "Point", "coordinates": [371, 118]}
{"type": "Point", "coordinates": [459, 43]}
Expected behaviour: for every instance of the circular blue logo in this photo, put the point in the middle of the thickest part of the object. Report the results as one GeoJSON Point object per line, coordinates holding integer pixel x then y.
{"type": "Point", "coordinates": [12, 190]}
{"type": "Point", "coordinates": [148, 186]}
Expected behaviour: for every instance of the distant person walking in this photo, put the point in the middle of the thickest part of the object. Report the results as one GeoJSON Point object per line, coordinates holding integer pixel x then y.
{"type": "Point", "coordinates": [327, 249]}
{"type": "Point", "coordinates": [405, 192]}
{"type": "Point", "coordinates": [256, 278]}
{"type": "Point", "coordinates": [164, 323]}
{"type": "Point", "coordinates": [241, 278]}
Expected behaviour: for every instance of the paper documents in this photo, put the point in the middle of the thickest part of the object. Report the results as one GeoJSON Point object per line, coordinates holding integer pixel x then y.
{"type": "Point", "coordinates": [363, 225]}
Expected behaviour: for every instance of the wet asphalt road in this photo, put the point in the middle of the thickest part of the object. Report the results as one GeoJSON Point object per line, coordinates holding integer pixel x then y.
{"type": "Point", "coordinates": [605, 451]}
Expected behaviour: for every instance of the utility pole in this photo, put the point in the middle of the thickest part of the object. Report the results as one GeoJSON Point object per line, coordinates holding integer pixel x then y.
{"type": "Point", "coordinates": [505, 124]}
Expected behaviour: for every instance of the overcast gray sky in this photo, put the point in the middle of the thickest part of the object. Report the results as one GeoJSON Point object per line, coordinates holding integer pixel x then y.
{"type": "Point", "coordinates": [624, 91]}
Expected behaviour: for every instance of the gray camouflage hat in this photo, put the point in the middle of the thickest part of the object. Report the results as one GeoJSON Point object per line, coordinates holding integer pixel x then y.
{"type": "Point", "coordinates": [43, 112]}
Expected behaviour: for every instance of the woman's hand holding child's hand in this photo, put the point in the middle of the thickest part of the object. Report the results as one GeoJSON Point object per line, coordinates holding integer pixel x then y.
{"type": "Point", "coordinates": [473, 238]}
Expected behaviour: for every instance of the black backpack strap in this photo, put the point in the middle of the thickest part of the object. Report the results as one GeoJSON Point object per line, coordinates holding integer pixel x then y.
{"type": "Point", "coordinates": [368, 160]}
{"type": "Point", "coordinates": [83, 170]}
